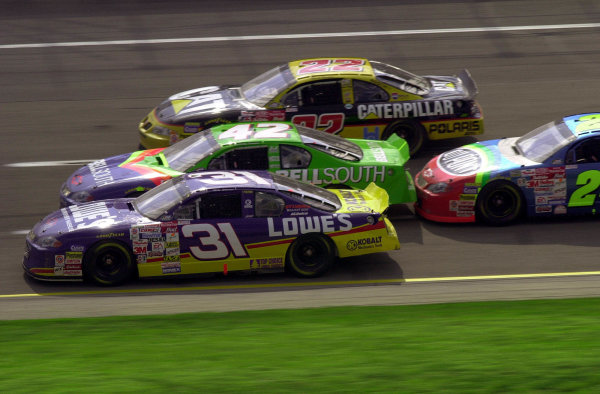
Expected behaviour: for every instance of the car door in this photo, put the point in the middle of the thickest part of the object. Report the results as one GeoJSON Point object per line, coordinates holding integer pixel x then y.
{"type": "Point", "coordinates": [583, 176]}
{"type": "Point", "coordinates": [318, 105]}
{"type": "Point", "coordinates": [212, 232]}
{"type": "Point", "coordinates": [243, 158]}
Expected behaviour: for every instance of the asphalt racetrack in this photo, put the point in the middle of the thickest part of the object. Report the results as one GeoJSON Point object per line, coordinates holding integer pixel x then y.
{"type": "Point", "coordinates": [75, 82]}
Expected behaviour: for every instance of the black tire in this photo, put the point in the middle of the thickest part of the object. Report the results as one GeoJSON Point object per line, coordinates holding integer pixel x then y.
{"type": "Point", "coordinates": [499, 203]}
{"type": "Point", "coordinates": [411, 131]}
{"type": "Point", "coordinates": [108, 264]}
{"type": "Point", "coordinates": [310, 255]}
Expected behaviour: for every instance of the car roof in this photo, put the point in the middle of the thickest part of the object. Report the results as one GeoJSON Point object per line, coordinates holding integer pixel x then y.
{"type": "Point", "coordinates": [323, 70]}
{"type": "Point", "coordinates": [583, 124]}
{"type": "Point", "coordinates": [203, 180]}
{"type": "Point", "coordinates": [289, 135]}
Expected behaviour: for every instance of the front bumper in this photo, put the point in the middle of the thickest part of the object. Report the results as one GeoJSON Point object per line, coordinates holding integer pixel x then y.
{"type": "Point", "coordinates": [149, 139]}
{"type": "Point", "coordinates": [445, 208]}
{"type": "Point", "coordinates": [43, 264]}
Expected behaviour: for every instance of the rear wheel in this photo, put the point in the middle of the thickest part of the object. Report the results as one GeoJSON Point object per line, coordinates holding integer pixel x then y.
{"type": "Point", "coordinates": [499, 204]}
{"type": "Point", "coordinates": [108, 264]}
{"type": "Point", "coordinates": [310, 255]}
{"type": "Point", "coordinates": [411, 131]}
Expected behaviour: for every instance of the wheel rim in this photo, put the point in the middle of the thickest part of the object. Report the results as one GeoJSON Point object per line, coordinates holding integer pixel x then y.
{"type": "Point", "coordinates": [502, 203]}
{"type": "Point", "coordinates": [309, 255]}
{"type": "Point", "coordinates": [109, 265]}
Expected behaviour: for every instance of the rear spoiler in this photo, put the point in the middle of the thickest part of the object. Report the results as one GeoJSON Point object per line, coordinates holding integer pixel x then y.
{"type": "Point", "coordinates": [380, 195]}
{"type": "Point", "coordinates": [400, 144]}
{"type": "Point", "coordinates": [468, 83]}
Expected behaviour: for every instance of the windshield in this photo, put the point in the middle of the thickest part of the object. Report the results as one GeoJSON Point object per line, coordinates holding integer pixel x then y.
{"type": "Point", "coordinates": [162, 198]}
{"type": "Point", "coordinates": [309, 194]}
{"type": "Point", "coordinates": [263, 88]}
{"type": "Point", "coordinates": [400, 78]}
{"type": "Point", "coordinates": [188, 152]}
{"type": "Point", "coordinates": [330, 143]}
{"type": "Point", "coordinates": [541, 143]}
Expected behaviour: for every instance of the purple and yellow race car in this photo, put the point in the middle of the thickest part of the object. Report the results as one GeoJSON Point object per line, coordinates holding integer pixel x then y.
{"type": "Point", "coordinates": [354, 97]}
{"type": "Point", "coordinates": [551, 171]}
{"type": "Point", "coordinates": [211, 222]}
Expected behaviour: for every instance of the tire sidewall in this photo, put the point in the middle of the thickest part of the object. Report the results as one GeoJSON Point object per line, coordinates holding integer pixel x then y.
{"type": "Point", "coordinates": [293, 260]}
{"type": "Point", "coordinates": [117, 249]}
{"type": "Point", "coordinates": [487, 193]}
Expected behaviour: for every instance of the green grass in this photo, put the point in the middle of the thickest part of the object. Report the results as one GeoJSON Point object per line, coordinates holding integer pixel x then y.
{"type": "Point", "coordinates": [525, 346]}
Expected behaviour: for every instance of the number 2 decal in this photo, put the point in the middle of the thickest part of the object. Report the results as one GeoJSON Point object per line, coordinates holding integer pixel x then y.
{"type": "Point", "coordinates": [332, 123]}
{"type": "Point", "coordinates": [590, 182]}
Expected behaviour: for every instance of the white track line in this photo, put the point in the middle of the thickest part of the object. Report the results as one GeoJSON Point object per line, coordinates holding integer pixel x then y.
{"type": "Point", "coordinates": [304, 36]}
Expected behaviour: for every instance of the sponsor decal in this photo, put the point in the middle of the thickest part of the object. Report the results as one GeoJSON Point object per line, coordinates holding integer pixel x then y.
{"type": "Point", "coordinates": [543, 209]}
{"type": "Point", "coordinates": [560, 210]}
{"type": "Point", "coordinates": [453, 126]}
{"type": "Point", "coordinates": [59, 260]}
{"type": "Point", "coordinates": [100, 172]}
{"type": "Point", "coordinates": [170, 267]}
{"type": "Point", "coordinates": [470, 190]}
{"type": "Point", "coordinates": [337, 175]}
{"type": "Point", "coordinates": [363, 243]}
{"type": "Point", "coordinates": [171, 258]}
{"type": "Point", "coordinates": [140, 247]}
{"type": "Point", "coordinates": [267, 264]}
{"type": "Point", "coordinates": [461, 161]}
{"type": "Point", "coordinates": [405, 110]}
{"type": "Point", "coordinates": [73, 258]}
{"type": "Point", "coordinates": [308, 224]}
{"type": "Point", "coordinates": [142, 258]}
{"type": "Point", "coordinates": [73, 272]}
{"type": "Point", "coordinates": [110, 235]}
{"type": "Point", "coordinates": [262, 115]}
{"type": "Point", "coordinates": [77, 248]}
{"type": "Point", "coordinates": [87, 215]}
{"type": "Point", "coordinates": [191, 128]}
{"type": "Point", "coordinates": [377, 151]}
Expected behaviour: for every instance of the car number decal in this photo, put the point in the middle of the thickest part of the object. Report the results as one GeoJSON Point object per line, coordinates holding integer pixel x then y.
{"type": "Point", "coordinates": [223, 178]}
{"type": "Point", "coordinates": [211, 246]}
{"type": "Point", "coordinates": [583, 197]}
{"type": "Point", "coordinates": [258, 131]}
{"type": "Point", "coordinates": [332, 123]}
{"type": "Point", "coordinates": [326, 65]}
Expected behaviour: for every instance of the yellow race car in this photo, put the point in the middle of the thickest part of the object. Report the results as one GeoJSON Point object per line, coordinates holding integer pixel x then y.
{"type": "Point", "coordinates": [352, 97]}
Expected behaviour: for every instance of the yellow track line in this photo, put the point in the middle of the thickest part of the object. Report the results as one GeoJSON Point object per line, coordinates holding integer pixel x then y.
{"type": "Point", "coordinates": [306, 284]}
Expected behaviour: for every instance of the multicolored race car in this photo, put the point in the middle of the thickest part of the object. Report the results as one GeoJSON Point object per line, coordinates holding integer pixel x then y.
{"type": "Point", "coordinates": [354, 97]}
{"type": "Point", "coordinates": [295, 151]}
{"type": "Point", "coordinates": [209, 222]}
{"type": "Point", "coordinates": [553, 170]}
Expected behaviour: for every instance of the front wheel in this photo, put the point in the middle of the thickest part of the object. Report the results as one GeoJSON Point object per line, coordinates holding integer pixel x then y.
{"type": "Point", "coordinates": [499, 204]}
{"type": "Point", "coordinates": [412, 132]}
{"type": "Point", "coordinates": [108, 264]}
{"type": "Point", "coordinates": [310, 255]}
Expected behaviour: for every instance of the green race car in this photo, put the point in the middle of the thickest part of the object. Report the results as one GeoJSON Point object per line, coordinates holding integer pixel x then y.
{"type": "Point", "coordinates": [301, 153]}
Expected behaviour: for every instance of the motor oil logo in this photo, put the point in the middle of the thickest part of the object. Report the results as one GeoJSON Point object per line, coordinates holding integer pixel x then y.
{"type": "Point", "coordinates": [363, 243]}
{"type": "Point", "coordinates": [461, 161]}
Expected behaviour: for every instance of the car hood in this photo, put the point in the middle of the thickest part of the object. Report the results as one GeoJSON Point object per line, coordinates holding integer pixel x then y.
{"type": "Point", "coordinates": [115, 176]}
{"type": "Point", "coordinates": [487, 156]}
{"type": "Point", "coordinates": [461, 86]}
{"type": "Point", "coordinates": [203, 102]}
{"type": "Point", "coordinates": [89, 219]}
